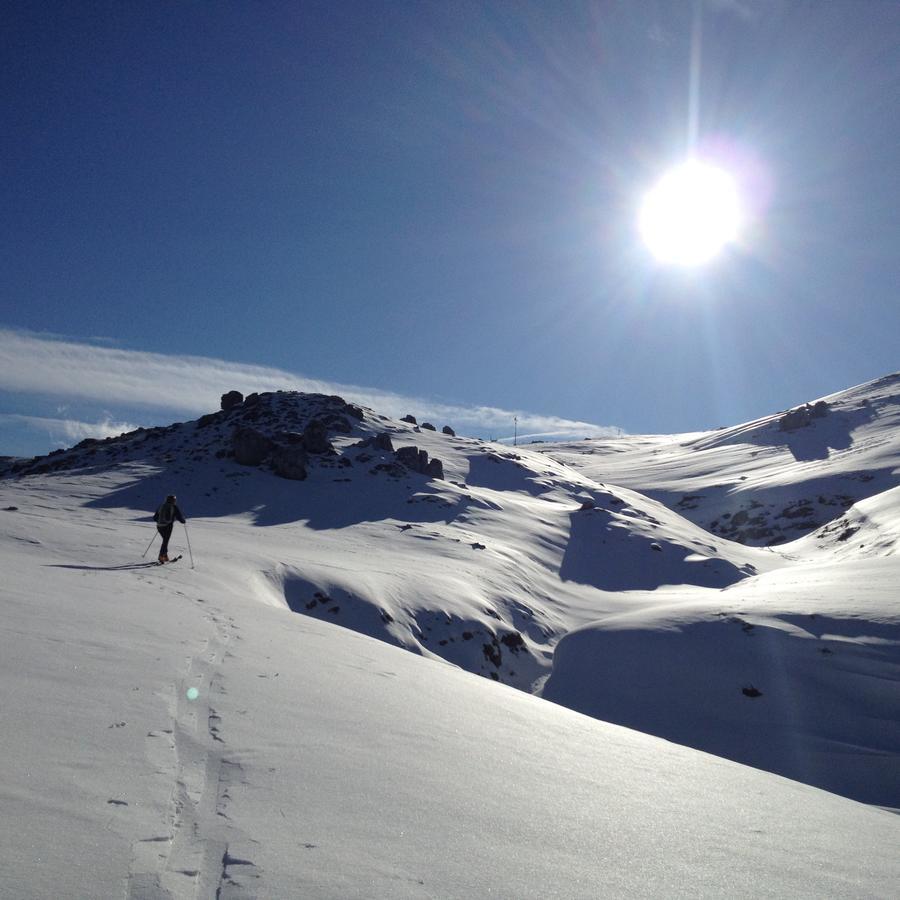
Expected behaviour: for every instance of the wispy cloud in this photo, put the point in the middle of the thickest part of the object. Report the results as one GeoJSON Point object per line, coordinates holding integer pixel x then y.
{"type": "Point", "coordinates": [67, 431]}
{"type": "Point", "coordinates": [66, 369]}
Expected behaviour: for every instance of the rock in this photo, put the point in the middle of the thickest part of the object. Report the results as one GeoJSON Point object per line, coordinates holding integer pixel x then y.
{"type": "Point", "coordinates": [250, 446]}
{"type": "Point", "coordinates": [315, 437]}
{"type": "Point", "coordinates": [232, 399]}
{"type": "Point", "coordinates": [354, 411]}
{"type": "Point", "coordinates": [410, 419]}
{"type": "Point", "coordinates": [409, 457]}
{"type": "Point", "coordinates": [382, 441]}
{"type": "Point", "coordinates": [448, 430]}
{"type": "Point", "coordinates": [803, 416]}
{"type": "Point", "coordinates": [428, 426]}
{"type": "Point", "coordinates": [251, 399]}
{"type": "Point", "coordinates": [290, 462]}
{"type": "Point", "coordinates": [423, 461]}
{"type": "Point", "coordinates": [338, 423]}
{"type": "Point", "coordinates": [435, 469]}
{"type": "Point", "coordinates": [208, 419]}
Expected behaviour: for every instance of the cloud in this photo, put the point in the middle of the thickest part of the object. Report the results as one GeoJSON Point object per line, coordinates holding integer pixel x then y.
{"type": "Point", "coordinates": [69, 431]}
{"type": "Point", "coordinates": [65, 369]}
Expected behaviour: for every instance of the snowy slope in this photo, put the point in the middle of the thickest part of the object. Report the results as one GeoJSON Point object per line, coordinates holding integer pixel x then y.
{"type": "Point", "coordinates": [764, 482]}
{"type": "Point", "coordinates": [486, 567]}
{"type": "Point", "coordinates": [315, 762]}
{"type": "Point", "coordinates": [797, 669]}
{"type": "Point", "coordinates": [517, 560]}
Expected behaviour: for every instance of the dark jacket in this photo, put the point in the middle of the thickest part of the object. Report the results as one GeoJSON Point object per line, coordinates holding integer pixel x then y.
{"type": "Point", "coordinates": [167, 514]}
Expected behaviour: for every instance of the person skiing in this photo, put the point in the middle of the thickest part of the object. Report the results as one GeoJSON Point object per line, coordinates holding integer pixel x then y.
{"type": "Point", "coordinates": [165, 518]}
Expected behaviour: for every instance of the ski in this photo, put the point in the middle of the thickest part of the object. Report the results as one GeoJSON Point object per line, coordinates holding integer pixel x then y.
{"type": "Point", "coordinates": [168, 561]}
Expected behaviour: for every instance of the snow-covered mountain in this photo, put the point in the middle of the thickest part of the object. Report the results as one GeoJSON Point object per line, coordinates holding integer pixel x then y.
{"type": "Point", "coordinates": [315, 761]}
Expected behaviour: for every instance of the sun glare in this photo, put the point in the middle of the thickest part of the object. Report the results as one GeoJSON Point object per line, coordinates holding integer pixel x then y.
{"type": "Point", "coordinates": [690, 214]}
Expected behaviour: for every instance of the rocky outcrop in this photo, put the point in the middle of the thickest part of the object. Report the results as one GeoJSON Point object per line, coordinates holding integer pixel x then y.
{"type": "Point", "coordinates": [409, 456]}
{"type": "Point", "coordinates": [231, 400]}
{"type": "Point", "coordinates": [448, 431]}
{"type": "Point", "coordinates": [428, 426]}
{"type": "Point", "coordinates": [250, 447]}
{"type": "Point", "coordinates": [289, 461]}
{"type": "Point", "coordinates": [416, 460]}
{"type": "Point", "coordinates": [382, 441]}
{"type": "Point", "coordinates": [410, 419]}
{"type": "Point", "coordinates": [803, 416]}
{"type": "Point", "coordinates": [315, 437]}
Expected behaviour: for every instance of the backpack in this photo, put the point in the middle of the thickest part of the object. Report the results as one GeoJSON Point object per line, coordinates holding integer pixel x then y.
{"type": "Point", "coordinates": [165, 515]}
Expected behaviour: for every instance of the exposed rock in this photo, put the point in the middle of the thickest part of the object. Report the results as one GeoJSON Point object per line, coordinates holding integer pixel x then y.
{"type": "Point", "coordinates": [338, 423]}
{"type": "Point", "coordinates": [803, 416]}
{"type": "Point", "coordinates": [251, 399]}
{"type": "Point", "coordinates": [232, 399]}
{"type": "Point", "coordinates": [315, 437]}
{"type": "Point", "coordinates": [410, 419]}
{"type": "Point", "coordinates": [354, 411]}
{"type": "Point", "coordinates": [435, 469]}
{"type": "Point", "coordinates": [428, 426]}
{"type": "Point", "coordinates": [290, 462]}
{"type": "Point", "coordinates": [250, 446]}
{"type": "Point", "coordinates": [382, 441]}
{"type": "Point", "coordinates": [208, 419]}
{"type": "Point", "coordinates": [448, 430]}
{"type": "Point", "coordinates": [409, 457]}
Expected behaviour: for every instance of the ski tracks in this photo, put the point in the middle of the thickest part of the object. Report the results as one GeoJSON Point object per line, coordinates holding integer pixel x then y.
{"type": "Point", "coordinates": [198, 854]}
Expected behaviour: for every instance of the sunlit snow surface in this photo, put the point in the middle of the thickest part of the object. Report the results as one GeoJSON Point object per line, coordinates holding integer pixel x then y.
{"type": "Point", "coordinates": [316, 761]}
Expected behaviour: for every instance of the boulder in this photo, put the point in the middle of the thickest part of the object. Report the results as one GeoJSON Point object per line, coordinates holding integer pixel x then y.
{"type": "Point", "coordinates": [251, 399]}
{"type": "Point", "coordinates": [803, 415]}
{"type": "Point", "coordinates": [435, 469]}
{"type": "Point", "coordinates": [250, 446]}
{"type": "Point", "coordinates": [354, 411]}
{"type": "Point", "coordinates": [290, 462]}
{"type": "Point", "coordinates": [315, 437]}
{"type": "Point", "coordinates": [382, 441]}
{"type": "Point", "coordinates": [410, 419]}
{"type": "Point", "coordinates": [449, 431]}
{"type": "Point", "coordinates": [409, 456]}
{"type": "Point", "coordinates": [428, 426]}
{"type": "Point", "coordinates": [231, 400]}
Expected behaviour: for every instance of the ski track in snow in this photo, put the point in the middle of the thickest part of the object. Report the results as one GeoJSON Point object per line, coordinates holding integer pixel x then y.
{"type": "Point", "coordinates": [197, 856]}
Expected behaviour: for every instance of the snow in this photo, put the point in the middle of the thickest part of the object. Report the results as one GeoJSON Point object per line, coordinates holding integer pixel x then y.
{"type": "Point", "coordinates": [321, 758]}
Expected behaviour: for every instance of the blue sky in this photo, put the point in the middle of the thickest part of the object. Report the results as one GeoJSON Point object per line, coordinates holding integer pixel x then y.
{"type": "Point", "coordinates": [434, 205]}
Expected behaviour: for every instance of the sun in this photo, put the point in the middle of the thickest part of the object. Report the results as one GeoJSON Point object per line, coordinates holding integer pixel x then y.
{"type": "Point", "coordinates": [690, 214]}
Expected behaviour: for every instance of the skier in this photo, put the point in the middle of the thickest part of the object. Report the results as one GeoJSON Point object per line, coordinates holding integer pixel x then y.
{"type": "Point", "coordinates": [165, 518]}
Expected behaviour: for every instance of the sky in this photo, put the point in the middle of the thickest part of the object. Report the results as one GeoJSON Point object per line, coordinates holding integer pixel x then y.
{"type": "Point", "coordinates": [435, 206]}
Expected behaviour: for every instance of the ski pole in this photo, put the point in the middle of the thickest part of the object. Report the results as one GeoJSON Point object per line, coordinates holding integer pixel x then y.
{"type": "Point", "coordinates": [190, 553]}
{"type": "Point", "coordinates": [144, 554]}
